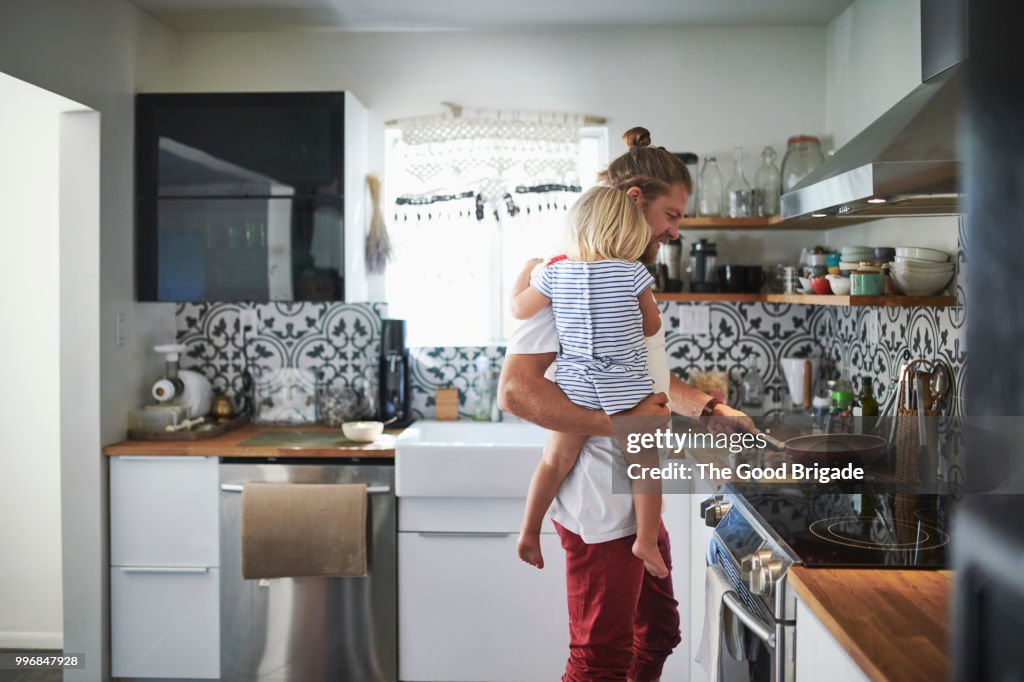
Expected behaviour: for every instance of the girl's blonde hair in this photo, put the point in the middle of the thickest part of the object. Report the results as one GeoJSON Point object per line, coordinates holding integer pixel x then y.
{"type": "Point", "coordinates": [607, 223]}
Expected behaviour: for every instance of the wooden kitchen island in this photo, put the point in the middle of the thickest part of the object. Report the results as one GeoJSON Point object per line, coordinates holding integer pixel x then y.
{"type": "Point", "coordinates": [894, 624]}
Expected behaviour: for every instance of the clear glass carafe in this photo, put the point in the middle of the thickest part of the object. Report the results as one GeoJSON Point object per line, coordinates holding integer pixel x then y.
{"type": "Point", "coordinates": [738, 194]}
{"type": "Point", "coordinates": [767, 184]}
{"type": "Point", "coordinates": [709, 191]}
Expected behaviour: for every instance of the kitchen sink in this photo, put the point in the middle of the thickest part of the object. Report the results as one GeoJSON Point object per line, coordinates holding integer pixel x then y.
{"type": "Point", "coordinates": [467, 459]}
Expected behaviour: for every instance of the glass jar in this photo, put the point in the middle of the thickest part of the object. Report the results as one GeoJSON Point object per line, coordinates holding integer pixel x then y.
{"type": "Point", "coordinates": [803, 154]}
{"type": "Point", "coordinates": [709, 191]}
{"type": "Point", "coordinates": [752, 389]}
{"type": "Point", "coordinates": [766, 185]}
{"type": "Point", "coordinates": [738, 195]}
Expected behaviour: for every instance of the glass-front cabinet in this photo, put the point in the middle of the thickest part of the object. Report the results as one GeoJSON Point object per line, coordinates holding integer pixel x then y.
{"type": "Point", "coordinates": [250, 197]}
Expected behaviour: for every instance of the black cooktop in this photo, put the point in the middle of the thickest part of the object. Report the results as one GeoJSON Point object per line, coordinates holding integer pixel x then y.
{"type": "Point", "coordinates": [863, 530]}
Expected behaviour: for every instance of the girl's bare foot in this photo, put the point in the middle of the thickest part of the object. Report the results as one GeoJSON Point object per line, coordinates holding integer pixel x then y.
{"type": "Point", "coordinates": [528, 548]}
{"type": "Point", "coordinates": [648, 553]}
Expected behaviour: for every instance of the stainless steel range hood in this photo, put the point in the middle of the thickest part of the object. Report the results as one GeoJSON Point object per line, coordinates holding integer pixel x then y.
{"type": "Point", "coordinates": [905, 163]}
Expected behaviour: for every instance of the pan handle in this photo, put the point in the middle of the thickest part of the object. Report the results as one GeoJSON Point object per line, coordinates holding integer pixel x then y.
{"type": "Point", "coordinates": [773, 443]}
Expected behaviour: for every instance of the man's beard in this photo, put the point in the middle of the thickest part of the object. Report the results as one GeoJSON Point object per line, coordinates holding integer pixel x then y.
{"type": "Point", "coordinates": [651, 253]}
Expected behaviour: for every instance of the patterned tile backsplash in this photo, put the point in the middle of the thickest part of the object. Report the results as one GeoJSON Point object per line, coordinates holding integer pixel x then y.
{"type": "Point", "coordinates": [339, 342]}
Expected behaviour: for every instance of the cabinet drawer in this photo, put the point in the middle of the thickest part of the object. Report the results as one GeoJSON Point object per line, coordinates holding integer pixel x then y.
{"type": "Point", "coordinates": [469, 609]}
{"type": "Point", "coordinates": [164, 511]}
{"type": "Point", "coordinates": [165, 622]}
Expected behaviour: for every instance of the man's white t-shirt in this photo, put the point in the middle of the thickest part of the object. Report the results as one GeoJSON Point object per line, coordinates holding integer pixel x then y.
{"type": "Point", "coordinates": [585, 503]}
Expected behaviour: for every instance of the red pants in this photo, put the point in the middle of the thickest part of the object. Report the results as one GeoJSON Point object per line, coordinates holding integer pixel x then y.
{"type": "Point", "coordinates": [623, 622]}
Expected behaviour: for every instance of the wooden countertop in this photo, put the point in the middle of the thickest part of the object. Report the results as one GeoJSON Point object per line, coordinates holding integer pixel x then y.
{"type": "Point", "coordinates": [893, 623]}
{"type": "Point", "coordinates": [231, 444]}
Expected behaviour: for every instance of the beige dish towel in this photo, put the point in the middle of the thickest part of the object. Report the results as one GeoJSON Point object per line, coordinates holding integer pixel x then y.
{"type": "Point", "coordinates": [303, 529]}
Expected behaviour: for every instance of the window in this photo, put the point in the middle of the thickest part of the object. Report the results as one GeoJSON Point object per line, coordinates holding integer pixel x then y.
{"type": "Point", "coordinates": [450, 276]}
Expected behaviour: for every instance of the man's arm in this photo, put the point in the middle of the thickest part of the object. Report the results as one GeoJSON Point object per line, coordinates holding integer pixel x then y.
{"type": "Point", "coordinates": [525, 392]}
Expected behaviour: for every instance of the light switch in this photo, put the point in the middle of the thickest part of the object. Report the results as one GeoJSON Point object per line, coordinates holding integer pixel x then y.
{"type": "Point", "coordinates": [120, 323]}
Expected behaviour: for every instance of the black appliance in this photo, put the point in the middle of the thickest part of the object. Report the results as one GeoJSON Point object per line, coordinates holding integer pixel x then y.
{"type": "Point", "coordinates": [394, 398]}
{"type": "Point", "coordinates": [247, 196]}
{"type": "Point", "coordinates": [759, 535]}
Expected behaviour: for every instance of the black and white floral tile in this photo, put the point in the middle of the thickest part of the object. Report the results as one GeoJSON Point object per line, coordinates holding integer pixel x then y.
{"type": "Point", "coordinates": [337, 342]}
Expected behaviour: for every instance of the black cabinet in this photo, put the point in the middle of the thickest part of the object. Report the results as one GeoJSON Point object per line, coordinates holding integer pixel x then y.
{"type": "Point", "coordinates": [250, 197]}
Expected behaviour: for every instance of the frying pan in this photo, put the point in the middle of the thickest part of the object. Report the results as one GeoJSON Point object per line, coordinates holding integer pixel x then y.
{"type": "Point", "coordinates": [832, 449]}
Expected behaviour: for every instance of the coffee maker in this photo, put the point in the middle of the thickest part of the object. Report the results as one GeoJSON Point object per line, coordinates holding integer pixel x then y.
{"type": "Point", "coordinates": [394, 375]}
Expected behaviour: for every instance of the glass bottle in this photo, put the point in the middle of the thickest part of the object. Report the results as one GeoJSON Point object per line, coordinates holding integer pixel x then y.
{"type": "Point", "coordinates": [840, 416]}
{"type": "Point", "coordinates": [738, 194]}
{"type": "Point", "coordinates": [868, 404]}
{"type": "Point", "coordinates": [803, 154]}
{"type": "Point", "coordinates": [767, 182]}
{"type": "Point", "coordinates": [484, 387]}
{"type": "Point", "coordinates": [752, 389]}
{"type": "Point", "coordinates": [709, 192]}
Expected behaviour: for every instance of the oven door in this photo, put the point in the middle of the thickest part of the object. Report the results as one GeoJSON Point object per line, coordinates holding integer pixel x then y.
{"type": "Point", "coordinates": [766, 654]}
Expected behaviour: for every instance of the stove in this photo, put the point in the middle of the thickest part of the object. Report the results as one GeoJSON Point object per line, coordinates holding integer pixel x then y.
{"type": "Point", "coordinates": [761, 532]}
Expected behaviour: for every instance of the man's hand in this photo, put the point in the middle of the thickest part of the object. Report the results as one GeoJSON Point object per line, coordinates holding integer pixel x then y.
{"type": "Point", "coordinates": [725, 419]}
{"type": "Point", "coordinates": [655, 405]}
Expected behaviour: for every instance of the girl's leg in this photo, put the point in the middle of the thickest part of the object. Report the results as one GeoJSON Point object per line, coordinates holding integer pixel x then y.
{"type": "Point", "coordinates": [648, 524]}
{"type": "Point", "coordinates": [560, 454]}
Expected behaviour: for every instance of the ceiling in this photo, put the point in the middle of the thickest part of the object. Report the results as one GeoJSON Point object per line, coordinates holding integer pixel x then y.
{"type": "Point", "coordinates": [430, 15]}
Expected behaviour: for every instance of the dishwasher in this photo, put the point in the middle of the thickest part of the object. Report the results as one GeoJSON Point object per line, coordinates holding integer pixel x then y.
{"type": "Point", "coordinates": [310, 629]}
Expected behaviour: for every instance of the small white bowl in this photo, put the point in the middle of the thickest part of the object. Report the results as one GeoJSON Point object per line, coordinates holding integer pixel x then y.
{"type": "Point", "coordinates": [362, 432]}
{"type": "Point", "coordinates": [840, 285]}
{"type": "Point", "coordinates": [922, 253]}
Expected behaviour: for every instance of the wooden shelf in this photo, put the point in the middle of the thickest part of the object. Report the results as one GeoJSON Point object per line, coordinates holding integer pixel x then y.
{"type": "Point", "coordinates": [710, 298]}
{"type": "Point", "coordinates": [814, 299]}
{"type": "Point", "coordinates": [771, 223]}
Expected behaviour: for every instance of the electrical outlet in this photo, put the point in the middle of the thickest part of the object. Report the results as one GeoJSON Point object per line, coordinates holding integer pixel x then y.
{"type": "Point", "coordinates": [120, 323]}
{"type": "Point", "coordinates": [694, 320]}
{"type": "Point", "coordinates": [871, 323]}
{"type": "Point", "coordinates": [248, 319]}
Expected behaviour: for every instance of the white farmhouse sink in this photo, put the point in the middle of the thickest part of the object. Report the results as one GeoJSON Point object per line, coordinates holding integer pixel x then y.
{"type": "Point", "coordinates": [467, 459]}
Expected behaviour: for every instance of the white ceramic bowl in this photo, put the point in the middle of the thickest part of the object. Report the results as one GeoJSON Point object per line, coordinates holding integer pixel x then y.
{"type": "Point", "coordinates": [922, 253]}
{"type": "Point", "coordinates": [362, 432]}
{"type": "Point", "coordinates": [805, 285]}
{"type": "Point", "coordinates": [916, 283]}
{"type": "Point", "coordinates": [905, 261]}
{"type": "Point", "coordinates": [840, 285]}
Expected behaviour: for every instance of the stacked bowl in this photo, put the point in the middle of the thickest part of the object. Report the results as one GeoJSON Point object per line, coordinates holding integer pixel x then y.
{"type": "Point", "coordinates": [920, 272]}
{"type": "Point", "coordinates": [851, 256]}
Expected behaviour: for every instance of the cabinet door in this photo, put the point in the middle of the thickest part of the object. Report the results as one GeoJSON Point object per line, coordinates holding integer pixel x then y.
{"type": "Point", "coordinates": [469, 610]}
{"type": "Point", "coordinates": [164, 511]}
{"type": "Point", "coordinates": [818, 655]}
{"type": "Point", "coordinates": [165, 622]}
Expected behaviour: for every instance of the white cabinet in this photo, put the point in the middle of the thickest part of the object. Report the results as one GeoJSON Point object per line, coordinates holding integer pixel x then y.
{"type": "Point", "coordinates": [164, 556]}
{"type": "Point", "coordinates": [163, 622]}
{"type": "Point", "coordinates": [469, 610]}
{"type": "Point", "coordinates": [818, 655]}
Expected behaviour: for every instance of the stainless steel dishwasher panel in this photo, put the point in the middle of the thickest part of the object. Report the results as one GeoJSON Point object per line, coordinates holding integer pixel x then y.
{"type": "Point", "coordinates": [310, 629]}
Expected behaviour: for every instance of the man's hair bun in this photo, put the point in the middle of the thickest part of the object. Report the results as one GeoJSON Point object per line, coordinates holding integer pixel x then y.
{"type": "Point", "coordinates": [637, 137]}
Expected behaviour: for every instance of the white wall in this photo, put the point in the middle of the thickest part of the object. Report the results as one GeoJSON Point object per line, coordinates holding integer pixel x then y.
{"type": "Point", "coordinates": [89, 51]}
{"type": "Point", "coordinates": [702, 90]}
{"type": "Point", "coordinates": [30, 572]}
{"type": "Point", "coordinates": [873, 58]}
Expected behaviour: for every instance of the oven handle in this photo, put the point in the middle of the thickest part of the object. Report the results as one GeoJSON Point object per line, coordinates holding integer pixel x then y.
{"type": "Point", "coordinates": [370, 489]}
{"type": "Point", "coordinates": [762, 630]}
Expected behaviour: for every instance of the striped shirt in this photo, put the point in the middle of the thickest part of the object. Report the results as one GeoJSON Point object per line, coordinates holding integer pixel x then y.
{"type": "Point", "coordinates": [603, 358]}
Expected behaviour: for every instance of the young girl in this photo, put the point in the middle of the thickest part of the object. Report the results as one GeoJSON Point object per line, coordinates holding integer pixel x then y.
{"type": "Point", "coordinates": [604, 307]}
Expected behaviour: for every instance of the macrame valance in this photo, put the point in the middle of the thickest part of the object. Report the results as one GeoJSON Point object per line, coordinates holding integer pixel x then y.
{"type": "Point", "coordinates": [487, 163]}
